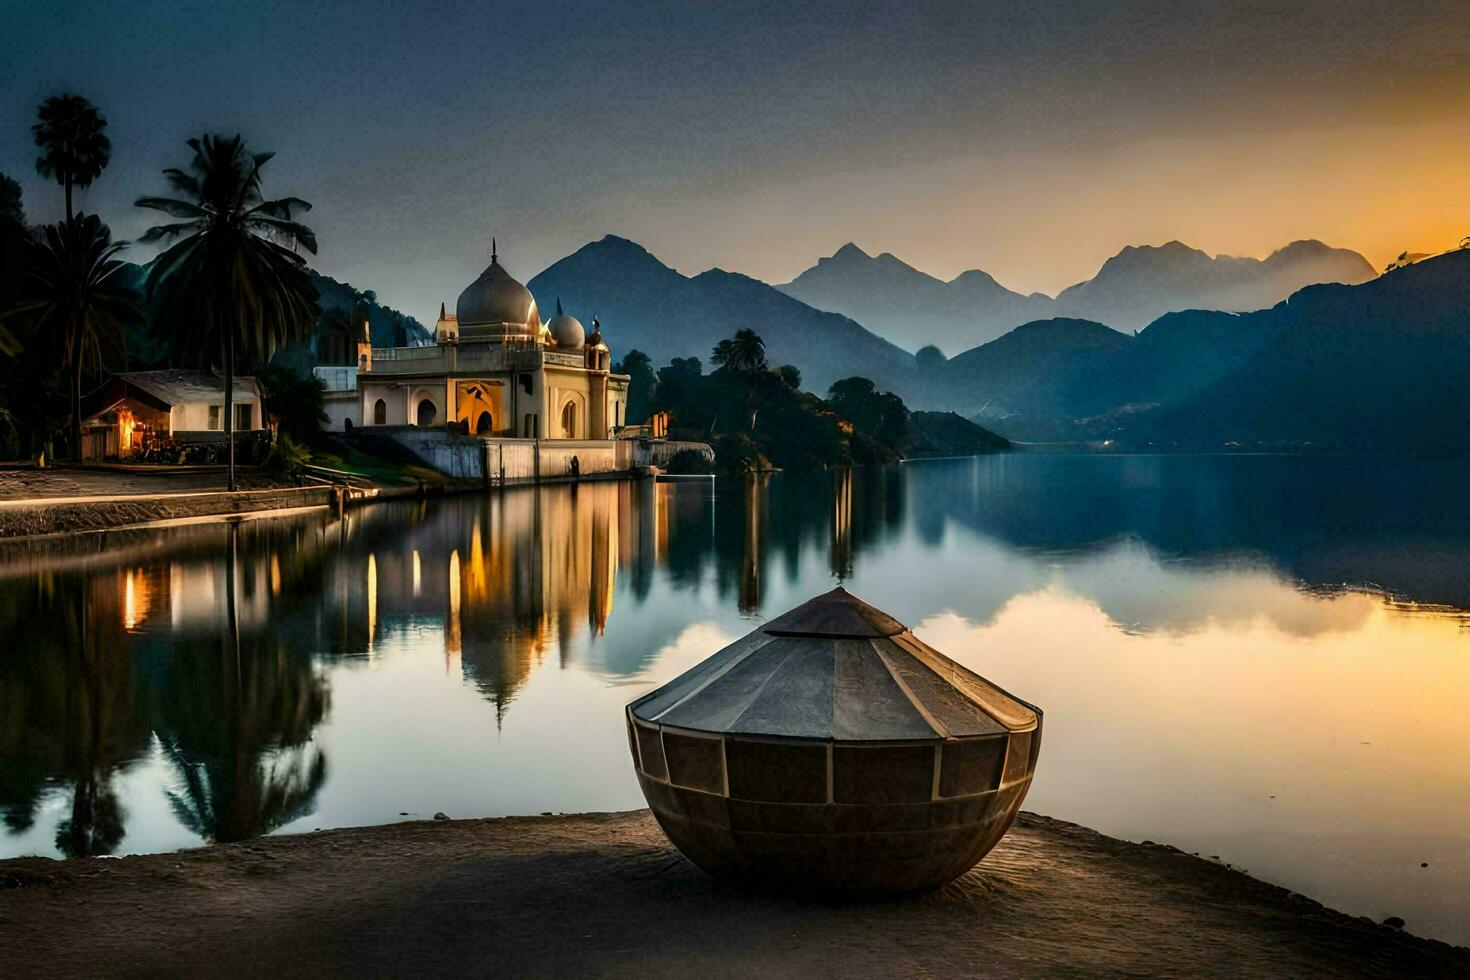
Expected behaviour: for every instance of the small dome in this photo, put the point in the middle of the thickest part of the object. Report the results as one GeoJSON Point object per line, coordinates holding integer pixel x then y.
{"type": "Point", "coordinates": [495, 307]}
{"type": "Point", "coordinates": [596, 339]}
{"type": "Point", "coordinates": [566, 330]}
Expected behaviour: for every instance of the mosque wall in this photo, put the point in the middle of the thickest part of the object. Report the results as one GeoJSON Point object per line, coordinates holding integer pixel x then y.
{"type": "Point", "coordinates": [518, 460]}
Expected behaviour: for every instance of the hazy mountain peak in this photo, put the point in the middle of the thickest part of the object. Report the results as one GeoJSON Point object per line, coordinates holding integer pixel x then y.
{"type": "Point", "coordinates": [850, 252]}
{"type": "Point", "coordinates": [644, 303]}
{"type": "Point", "coordinates": [972, 277]}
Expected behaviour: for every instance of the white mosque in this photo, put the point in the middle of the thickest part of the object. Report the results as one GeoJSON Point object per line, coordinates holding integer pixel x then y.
{"type": "Point", "coordinates": [495, 370]}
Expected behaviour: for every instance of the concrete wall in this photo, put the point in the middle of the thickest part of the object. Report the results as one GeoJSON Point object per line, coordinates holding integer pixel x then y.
{"type": "Point", "coordinates": [518, 460]}
{"type": "Point", "coordinates": [194, 416]}
{"type": "Point", "coordinates": [340, 407]}
{"type": "Point", "coordinates": [20, 518]}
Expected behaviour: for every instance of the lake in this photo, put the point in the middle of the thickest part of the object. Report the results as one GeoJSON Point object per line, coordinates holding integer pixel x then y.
{"type": "Point", "coordinates": [1265, 659]}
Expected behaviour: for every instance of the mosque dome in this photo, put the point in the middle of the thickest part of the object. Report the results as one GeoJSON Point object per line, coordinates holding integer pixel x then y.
{"type": "Point", "coordinates": [566, 330]}
{"type": "Point", "coordinates": [497, 307]}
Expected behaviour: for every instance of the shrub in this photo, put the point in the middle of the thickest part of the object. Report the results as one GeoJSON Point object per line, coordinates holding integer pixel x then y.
{"type": "Point", "coordinates": [288, 458]}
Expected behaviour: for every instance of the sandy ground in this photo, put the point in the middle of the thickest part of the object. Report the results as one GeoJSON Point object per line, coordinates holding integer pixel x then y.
{"type": "Point", "coordinates": [605, 894]}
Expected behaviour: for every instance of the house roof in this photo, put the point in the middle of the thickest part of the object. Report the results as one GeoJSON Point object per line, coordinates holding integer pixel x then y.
{"type": "Point", "coordinates": [162, 390]}
{"type": "Point", "coordinates": [177, 386]}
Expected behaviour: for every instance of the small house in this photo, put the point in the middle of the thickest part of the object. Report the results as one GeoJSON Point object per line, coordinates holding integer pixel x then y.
{"type": "Point", "coordinates": [140, 411]}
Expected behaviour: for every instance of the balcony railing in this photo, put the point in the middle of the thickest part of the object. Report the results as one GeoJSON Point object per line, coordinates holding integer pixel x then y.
{"type": "Point", "coordinates": [423, 353]}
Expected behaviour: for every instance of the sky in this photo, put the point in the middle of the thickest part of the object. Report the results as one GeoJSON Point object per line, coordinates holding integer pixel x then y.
{"type": "Point", "coordinates": [1029, 140]}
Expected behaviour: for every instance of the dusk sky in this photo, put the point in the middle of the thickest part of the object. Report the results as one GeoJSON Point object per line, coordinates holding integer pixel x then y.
{"type": "Point", "coordinates": [1032, 141]}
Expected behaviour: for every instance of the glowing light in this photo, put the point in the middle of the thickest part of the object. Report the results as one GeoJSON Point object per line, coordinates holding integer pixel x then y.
{"type": "Point", "coordinates": [372, 597]}
{"type": "Point", "coordinates": [137, 599]}
{"type": "Point", "coordinates": [451, 628]}
{"type": "Point", "coordinates": [125, 425]}
{"type": "Point", "coordinates": [418, 573]}
{"type": "Point", "coordinates": [275, 575]}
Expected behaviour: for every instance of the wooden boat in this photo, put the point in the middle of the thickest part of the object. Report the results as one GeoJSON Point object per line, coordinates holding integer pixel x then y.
{"type": "Point", "coordinates": [832, 749]}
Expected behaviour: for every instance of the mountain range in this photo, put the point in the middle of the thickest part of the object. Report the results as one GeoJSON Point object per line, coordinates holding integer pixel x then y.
{"type": "Point", "coordinates": [1133, 288]}
{"type": "Point", "coordinates": [644, 304]}
{"type": "Point", "coordinates": [1382, 366]}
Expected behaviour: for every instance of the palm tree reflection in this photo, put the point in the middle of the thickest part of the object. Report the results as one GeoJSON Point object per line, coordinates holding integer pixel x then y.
{"type": "Point", "coordinates": [72, 717]}
{"type": "Point", "coordinates": [237, 724]}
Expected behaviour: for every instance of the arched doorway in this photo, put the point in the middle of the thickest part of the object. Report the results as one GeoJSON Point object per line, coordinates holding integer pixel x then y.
{"type": "Point", "coordinates": [484, 425]}
{"type": "Point", "coordinates": [426, 413]}
{"type": "Point", "coordinates": [380, 413]}
{"type": "Point", "coordinates": [569, 421]}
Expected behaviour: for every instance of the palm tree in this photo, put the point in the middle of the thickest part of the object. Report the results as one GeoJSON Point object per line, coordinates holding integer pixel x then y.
{"type": "Point", "coordinates": [233, 283]}
{"type": "Point", "coordinates": [745, 353]}
{"type": "Point", "coordinates": [71, 296]}
{"type": "Point", "coordinates": [74, 150]}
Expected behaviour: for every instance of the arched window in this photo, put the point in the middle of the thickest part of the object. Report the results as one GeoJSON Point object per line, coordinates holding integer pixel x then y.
{"type": "Point", "coordinates": [380, 413]}
{"type": "Point", "coordinates": [426, 413]}
{"type": "Point", "coordinates": [484, 425]}
{"type": "Point", "coordinates": [569, 421]}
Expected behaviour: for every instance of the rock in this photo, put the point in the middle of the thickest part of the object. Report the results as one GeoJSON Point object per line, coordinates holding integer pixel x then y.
{"type": "Point", "coordinates": [441, 815]}
{"type": "Point", "coordinates": [546, 813]}
{"type": "Point", "coordinates": [1394, 922]}
{"type": "Point", "coordinates": [403, 813]}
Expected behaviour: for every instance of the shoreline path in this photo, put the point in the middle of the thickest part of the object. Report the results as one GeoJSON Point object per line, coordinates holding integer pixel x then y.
{"type": "Point", "coordinates": [606, 895]}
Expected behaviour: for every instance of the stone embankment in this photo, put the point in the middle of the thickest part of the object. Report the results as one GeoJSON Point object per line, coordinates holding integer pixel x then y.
{"type": "Point", "coordinates": [29, 517]}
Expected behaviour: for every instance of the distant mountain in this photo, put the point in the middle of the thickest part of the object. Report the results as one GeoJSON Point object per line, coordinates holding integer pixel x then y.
{"type": "Point", "coordinates": [645, 304]}
{"type": "Point", "coordinates": [912, 308]}
{"type": "Point", "coordinates": [1032, 370]}
{"type": "Point", "coordinates": [1141, 283]}
{"type": "Point", "coordinates": [1131, 289]}
{"type": "Point", "coordinates": [948, 434]}
{"type": "Point", "coordinates": [1383, 366]}
{"type": "Point", "coordinates": [390, 328]}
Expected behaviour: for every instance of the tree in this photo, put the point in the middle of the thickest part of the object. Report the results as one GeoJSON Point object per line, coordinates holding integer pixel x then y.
{"type": "Point", "coordinates": [879, 414]}
{"type": "Point", "coordinates": [745, 353]}
{"type": "Point", "coordinates": [231, 285]}
{"type": "Point", "coordinates": [641, 381]}
{"type": "Point", "coordinates": [930, 359]}
{"type": "Point", "coordinates": [10, 201]}
{"type": "Point", "coordinates": [71, 299]}
{"type": "Point", "coordinates": [74, 148]}
{"type": "Point", "coordinates": [790, 374]}
{"type": "Point", "coordinates": [295, 401]}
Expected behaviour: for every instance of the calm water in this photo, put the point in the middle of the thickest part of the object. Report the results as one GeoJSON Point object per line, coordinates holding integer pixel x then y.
{"type": "Point", "coordinates": [1261, 658]}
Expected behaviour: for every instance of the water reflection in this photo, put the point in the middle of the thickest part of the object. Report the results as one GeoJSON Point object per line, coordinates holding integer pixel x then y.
{"type": "Point", "coordinates": [1174, 615]}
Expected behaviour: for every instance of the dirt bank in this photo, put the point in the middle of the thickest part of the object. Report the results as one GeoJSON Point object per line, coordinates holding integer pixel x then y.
{"type": "Point", "coordinates": [605, 894]}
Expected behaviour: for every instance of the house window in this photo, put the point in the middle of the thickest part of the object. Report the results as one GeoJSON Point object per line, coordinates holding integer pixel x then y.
{"type": "Point", "coordinates": [426, 412]}
{"type": "Point", "coordinates": [242, 418]}
{"type": "Point", "coordinates": [485, 426]}
{"type": "Point", "coordinates": [569, 421]}
{"type": "Point", "coordinates": [380, 413]}
{"type": "Point", "coordinates": [214, 417]}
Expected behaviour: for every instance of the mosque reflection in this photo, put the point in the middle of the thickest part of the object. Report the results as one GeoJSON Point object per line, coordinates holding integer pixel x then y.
{"type": "Point", "coordinates": [208, 651]}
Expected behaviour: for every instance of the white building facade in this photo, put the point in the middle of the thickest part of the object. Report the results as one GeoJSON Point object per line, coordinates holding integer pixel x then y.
{"type": "Point", "coordinates": [494, 370]}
